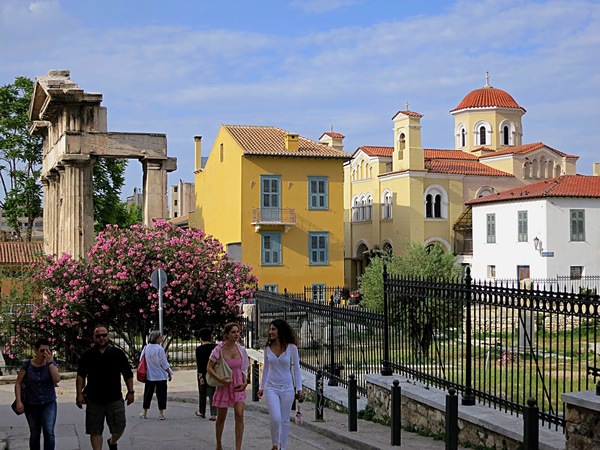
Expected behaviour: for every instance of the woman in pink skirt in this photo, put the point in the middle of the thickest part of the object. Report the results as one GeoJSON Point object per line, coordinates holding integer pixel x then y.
{"type": "Point", "coordinates": [233, 391]}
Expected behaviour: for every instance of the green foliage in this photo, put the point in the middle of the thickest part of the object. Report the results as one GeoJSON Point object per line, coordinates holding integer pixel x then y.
{"type": "Point", "coordinates": [20, 157]}
{"type": "Point", "coordinates": [109, 177]}
{"type": "Point", "coordinates": [417, 261]}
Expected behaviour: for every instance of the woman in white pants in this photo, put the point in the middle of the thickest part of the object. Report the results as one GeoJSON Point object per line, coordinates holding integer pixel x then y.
{"type": "Point", "coordinates": [281, 380]}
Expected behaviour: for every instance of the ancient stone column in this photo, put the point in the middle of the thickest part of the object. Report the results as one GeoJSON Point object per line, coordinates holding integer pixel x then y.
{"type": "Point", "coordinates": [154, 191]}
{"type": "Point", "coordinates": [76, 226]}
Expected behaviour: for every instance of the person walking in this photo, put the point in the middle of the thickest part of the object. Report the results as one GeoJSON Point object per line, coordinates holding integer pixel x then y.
{"type": "Point", "coordinates": [40, 376]}
{"type": "Point", "coordinates": [101, 367]}
{"type": "Point", "coordinates": [281, 380]}
{"type": "Point", "coordinates": [158, 371]}
{"type": "Point", "coordinates": [233, 391]}
{"type": "Point", "coordinates": [203, 352]}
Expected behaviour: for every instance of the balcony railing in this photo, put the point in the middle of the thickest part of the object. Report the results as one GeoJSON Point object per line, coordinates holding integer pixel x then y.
{"type": "Point", "coordinates": [273, 216]}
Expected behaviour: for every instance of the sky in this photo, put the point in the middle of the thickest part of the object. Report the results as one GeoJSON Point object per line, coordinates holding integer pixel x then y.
{"type": "Point", "coordinates": [183, 68]}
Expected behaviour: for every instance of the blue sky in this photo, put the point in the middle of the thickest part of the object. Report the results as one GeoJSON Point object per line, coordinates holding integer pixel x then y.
{"type": "Point", "coordinates": [184, 67]}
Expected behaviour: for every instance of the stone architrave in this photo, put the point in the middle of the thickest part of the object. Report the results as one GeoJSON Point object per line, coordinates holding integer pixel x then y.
{"type": "Point", "coordinates": [73, 126]}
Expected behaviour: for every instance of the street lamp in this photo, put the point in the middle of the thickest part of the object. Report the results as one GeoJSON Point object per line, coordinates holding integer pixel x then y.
{"type": "Point", "coordinates": [537, 244]}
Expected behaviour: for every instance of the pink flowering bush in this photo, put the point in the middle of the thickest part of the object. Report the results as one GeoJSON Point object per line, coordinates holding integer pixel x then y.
{"type": "Point", "coordinates": [113, 287]}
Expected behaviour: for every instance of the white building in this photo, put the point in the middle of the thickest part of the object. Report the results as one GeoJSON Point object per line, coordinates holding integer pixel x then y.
{"type": "Point", "coordinates": [181, 199]}
{"type": "Point", "coordinates": [538, 231]}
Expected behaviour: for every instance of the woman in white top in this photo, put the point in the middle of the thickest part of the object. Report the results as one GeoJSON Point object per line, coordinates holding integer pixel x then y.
{"type": "Point", "coordinates": [158, 371]}
{"type": "Point", "coordinates": [277, 384]}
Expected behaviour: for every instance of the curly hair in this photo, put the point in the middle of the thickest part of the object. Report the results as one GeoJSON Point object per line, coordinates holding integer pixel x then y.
{"type": "Point", "coordinates": [284, 332]}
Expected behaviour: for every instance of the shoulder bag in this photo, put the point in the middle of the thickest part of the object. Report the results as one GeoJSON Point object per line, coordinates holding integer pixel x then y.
{"type": "Point", "coordinates": [142, 369]}
{"type": "Point", "coordinates": [23, 393]}
{"type": "Point", "coordinates": [222, 370]}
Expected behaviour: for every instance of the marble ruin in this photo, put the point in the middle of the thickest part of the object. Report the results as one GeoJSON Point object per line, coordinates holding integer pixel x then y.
{"type": "Point", "coordinates": [73, 125]}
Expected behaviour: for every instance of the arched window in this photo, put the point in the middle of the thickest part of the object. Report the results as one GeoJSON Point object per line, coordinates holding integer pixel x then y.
{"type": "Point", "coordinates": [355, 209]}
{"type": "Point", "coordinates": [505, 135]}
{"type": "Point", "coordinates": [368, 213]}
{"type": "Point", "coordinates": [437, 206]}
{"type": "Point", "coordinates": [482, 133]}
{"type": "Point", "coordinates": [485, 190]}
{"type": "Point", "coordinates": [429, 205]}
{"type": "Point", "coordinates": [507, 131]}
{"type": "Point", "coordinates": [436, 202]}
{"type": "Point", "coordinates": [386, 205]}
{"type": "Point", "coordinates": [461, 136]}
{"type": "Point", "coordinates": [482, 130]}
{"type": "Point", "coordinates": [557, 170]}
{"type": "Point", "coordinates": [387, 249]}
{"type": "Point", "coordinates": [401, 145]}
{"type": "Point", "coordinates": [526, 170]}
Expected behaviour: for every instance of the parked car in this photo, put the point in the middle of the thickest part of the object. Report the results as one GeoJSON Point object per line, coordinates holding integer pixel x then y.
{"type": "Point", "coordinates": [355, 298]}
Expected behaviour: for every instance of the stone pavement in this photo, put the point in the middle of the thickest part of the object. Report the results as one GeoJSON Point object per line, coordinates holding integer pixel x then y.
{"type": "Point", "coordinates": [183, 430]}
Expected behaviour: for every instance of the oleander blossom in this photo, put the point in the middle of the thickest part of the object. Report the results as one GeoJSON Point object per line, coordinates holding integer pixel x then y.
{"type": "Point", "coordinates": [113, 286]}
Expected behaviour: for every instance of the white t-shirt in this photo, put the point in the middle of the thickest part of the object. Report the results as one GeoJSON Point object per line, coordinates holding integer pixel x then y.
{"type": "Point", "coordinates": [156, 363]}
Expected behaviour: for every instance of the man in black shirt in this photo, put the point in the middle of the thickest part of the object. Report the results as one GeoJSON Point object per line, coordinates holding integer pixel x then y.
{"type": "Point", "coordinates": [203, 352]}
{"type": "Point", "coordinates": [102, 366]}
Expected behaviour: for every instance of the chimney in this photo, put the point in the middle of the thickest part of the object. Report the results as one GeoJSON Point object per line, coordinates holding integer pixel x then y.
{"type": "Point", "coordinates": [596, 169]}
{"type": "Point", "coordinates": [291, 142]}
{"type": "Point", "coordinates": [197, 153]}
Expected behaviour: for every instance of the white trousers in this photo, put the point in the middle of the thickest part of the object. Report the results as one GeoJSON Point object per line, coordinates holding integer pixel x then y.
{"type": "Point", "coordinates": [279, 401]}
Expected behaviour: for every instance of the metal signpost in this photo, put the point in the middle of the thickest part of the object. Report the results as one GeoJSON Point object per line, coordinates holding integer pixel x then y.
{"type": "Point", "coordinates": [159, 279]}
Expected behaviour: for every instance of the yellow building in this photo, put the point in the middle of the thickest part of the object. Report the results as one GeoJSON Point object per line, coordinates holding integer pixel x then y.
{"type": "Point", "coordinates": [275, 201]}
{"type": "Point", "coordinates": [407, 193]}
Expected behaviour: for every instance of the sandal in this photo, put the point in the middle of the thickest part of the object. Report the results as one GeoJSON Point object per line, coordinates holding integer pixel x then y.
{"type": "Point", "coordinates": [213, 418]}
{"type": "Point", "coordinates": [111, 446]}
{"type": "Point", "coordinates": [143, 416]}
{"type": "Point", "coordinates": [199, 414]}
{"type": "Point", "coordinates": [161, 417]}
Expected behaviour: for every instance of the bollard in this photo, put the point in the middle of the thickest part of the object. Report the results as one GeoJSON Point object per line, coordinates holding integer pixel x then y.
{"type": "Point", "coordinates": [531, 426]}
{"type": "Point", "coordinates": [320, 399]}
{"type": "Point", "coordinates": [352, 412]}
{"type": "Point", "coordinates": [255, 384]}
{"type": "Point", "coordinates": [451, 420]}
{"type": "Point", "coordinates": [396, 413]}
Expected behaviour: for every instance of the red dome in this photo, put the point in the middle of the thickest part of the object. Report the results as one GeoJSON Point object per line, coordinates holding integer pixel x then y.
{"type": "Point", "coordinates": [487, 97]}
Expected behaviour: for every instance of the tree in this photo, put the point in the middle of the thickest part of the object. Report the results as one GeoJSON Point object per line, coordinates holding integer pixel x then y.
{"type": "Point", "coordinates": [417, 316]}
{"type": "Point", "coordinates": [204, 287]}
{"type": "Point", "coordinates": [21, 157]}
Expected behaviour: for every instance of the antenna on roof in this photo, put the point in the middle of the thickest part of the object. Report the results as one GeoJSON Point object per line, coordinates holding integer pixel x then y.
{"type": "Point", "coordinates": [487, 79]}
{"type": "Point", "coordinates": [331, 128]}
{"type": "Point", "coordinates": [406, 105]}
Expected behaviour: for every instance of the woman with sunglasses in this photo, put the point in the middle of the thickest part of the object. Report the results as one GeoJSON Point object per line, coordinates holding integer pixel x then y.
{"type": "Point", "coordinates": [40, 376]}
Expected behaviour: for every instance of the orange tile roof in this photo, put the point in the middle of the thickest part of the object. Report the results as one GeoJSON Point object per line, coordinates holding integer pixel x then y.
{"type": "Point", "coordinates": [333, 135]}
{"type": "Point", "coordinates": [527, 148]}
{"type": "Point", "coordinates": [433, 153]}
{"type": "Point", "coordinates": [373, 150]}
{"type": "Point", "coordinates": [408, 113]}
{"type": "Point", "coordinates": [270, 141]}
{"type": "Point", "coordinates": [486, 97]}
{"type": "Point", "coordinates": [564, 186]}
{"type": "Point", "coordinates": [464, 168]}
{"type": "Point", "coordinates": [12, 253]}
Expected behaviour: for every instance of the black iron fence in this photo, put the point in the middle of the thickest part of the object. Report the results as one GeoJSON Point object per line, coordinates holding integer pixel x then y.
{"type": "Point", "coordinates": [499, 343]}
{"type": "Point", "coordinates": [339, 340]}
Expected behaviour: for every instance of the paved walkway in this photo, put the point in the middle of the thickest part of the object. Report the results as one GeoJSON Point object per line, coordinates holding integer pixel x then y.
{"type": "Point", "coordinates": [183, 430]}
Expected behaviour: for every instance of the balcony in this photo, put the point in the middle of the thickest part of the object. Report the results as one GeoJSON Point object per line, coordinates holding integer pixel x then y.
{"type": "Point", "coordinates": [273, 216]}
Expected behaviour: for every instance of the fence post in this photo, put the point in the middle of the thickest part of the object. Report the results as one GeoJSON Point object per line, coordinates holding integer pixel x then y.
{"type": "Point", "coordinates": [352, 409]}
{"type": "Point", "coordinates": [320, 399]}
{"type": "Point", "coordinates": [256, 343]}
{"type": "Point", "coordinates": [451, 420]}
{"type": "Point", "coordinates": [332, 367]}
{"type": "Point", "coordinates": [396, 413]}
{"type": "Point", "coordinates": [385, 364]}
{"type": "Point", "coordinates": [468, 398]}
{"type": "Point", "coordinates": [531, 430]}
{"type": "Point", "coordinates": [255, 381]}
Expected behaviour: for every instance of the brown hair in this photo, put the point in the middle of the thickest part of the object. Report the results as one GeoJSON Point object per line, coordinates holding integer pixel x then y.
{"type": "Point", "coordinates": [228, 326]}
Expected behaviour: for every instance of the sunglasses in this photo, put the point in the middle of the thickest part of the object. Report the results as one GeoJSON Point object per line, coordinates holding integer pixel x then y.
{"type": "Point", "coordinates": [100, 335]}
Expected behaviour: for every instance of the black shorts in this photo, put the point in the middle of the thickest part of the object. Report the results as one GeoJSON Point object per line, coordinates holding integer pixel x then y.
{"type": "Point", "coordinates": [96, 413]}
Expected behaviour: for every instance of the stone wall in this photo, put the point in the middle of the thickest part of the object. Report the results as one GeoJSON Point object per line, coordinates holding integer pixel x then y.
{"type": "Point", "coordinates": [583, 420]}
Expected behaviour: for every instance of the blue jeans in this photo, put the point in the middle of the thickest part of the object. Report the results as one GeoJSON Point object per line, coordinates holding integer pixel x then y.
{"type": "Point", "coordinates": [41, 417]}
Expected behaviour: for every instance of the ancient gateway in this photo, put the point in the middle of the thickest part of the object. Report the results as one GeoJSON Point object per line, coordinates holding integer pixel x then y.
{"type": "Point", "coordinates": [74, 129]}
